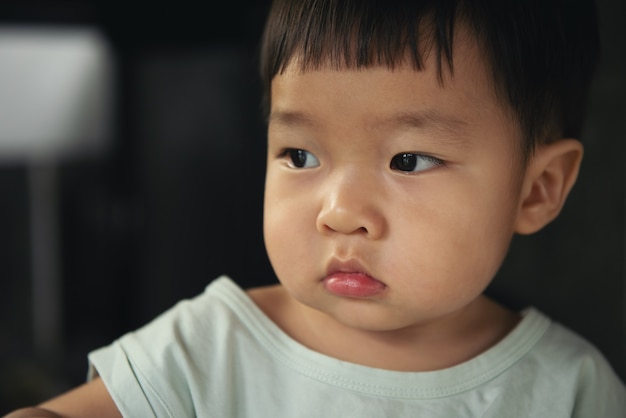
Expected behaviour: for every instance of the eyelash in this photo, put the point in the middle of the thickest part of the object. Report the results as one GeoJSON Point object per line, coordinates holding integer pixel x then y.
{"type": "Point", "coordinates": [415, 158]}
{"type": "Point", "coordinates": [289, 153]}
{"type": "Point", "coordinates": [412, 159]}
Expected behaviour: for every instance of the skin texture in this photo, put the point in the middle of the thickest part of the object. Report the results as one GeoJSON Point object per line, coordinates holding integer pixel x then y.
{"type": "Point", "coordinates": [435, 237]}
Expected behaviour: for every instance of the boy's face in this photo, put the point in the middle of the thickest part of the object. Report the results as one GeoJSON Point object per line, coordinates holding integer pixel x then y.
{"type": "Point", "coordinates": [390, 200]}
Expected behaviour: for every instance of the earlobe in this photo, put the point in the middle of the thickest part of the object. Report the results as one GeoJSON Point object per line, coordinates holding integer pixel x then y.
{"type": "Point", "coordinates": [549, 177]}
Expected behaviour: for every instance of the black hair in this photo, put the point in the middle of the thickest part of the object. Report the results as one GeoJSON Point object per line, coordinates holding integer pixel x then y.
{"type": "Point", "coordinates": [542, 53]}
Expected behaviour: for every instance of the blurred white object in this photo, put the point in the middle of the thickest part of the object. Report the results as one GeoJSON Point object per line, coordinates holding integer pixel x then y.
{"type": "Point", "coordinates": [55, 92]}
{"type": "Point", "coordinates": [56, 101]}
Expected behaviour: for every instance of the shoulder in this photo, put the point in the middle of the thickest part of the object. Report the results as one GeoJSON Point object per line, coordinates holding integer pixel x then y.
{"type": "Point", "coordinates": [562, 346]}
{"type": "Point", "coordinates": [186, 320]}
{"type": "Point", "coordinates": [562, 360]}
{"type": "Point", "coordinates": [190, 321]}
{"type": "Point", "coordinates": [165, 364]}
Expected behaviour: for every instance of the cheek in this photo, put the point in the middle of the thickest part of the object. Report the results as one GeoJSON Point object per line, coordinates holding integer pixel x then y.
{"type": "Point", "coordinates": [286, 229]}
{"type": "Point", "coordinates": [484, 238]}
{"type": "Point", "coordinates": [455, 239]}
{"type": "Point", "coordinates": [445, 271]}
{"type": "Point", "coordinates": [276, 228]}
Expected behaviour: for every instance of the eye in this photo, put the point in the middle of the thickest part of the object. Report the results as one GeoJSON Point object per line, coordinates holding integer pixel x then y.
{"type": "Point", "coordinates": [299, 158]}
{"type": "Point", "coordinates": [410, 162]}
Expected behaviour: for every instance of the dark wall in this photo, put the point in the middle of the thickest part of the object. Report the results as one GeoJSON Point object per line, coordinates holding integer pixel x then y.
{"type": "Point", "coordinates": [574, 269]}
{"type": "Point", "coordinates": [178, 200]}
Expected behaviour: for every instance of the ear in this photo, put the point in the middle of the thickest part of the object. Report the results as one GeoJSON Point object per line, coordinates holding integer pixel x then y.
{"type": "Point", "coordinates": [549, 177]}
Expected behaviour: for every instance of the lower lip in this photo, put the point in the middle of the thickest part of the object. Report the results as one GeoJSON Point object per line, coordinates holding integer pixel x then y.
{"type": "Point", "coordinates": [356, 285]}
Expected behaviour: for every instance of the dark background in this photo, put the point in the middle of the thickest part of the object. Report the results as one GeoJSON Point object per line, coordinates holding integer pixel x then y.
{"type": "Point", "coordinates": [177, 200]}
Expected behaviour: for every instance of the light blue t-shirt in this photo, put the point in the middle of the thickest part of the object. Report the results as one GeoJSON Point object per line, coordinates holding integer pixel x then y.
{"type": "Point", "coordinates": [218, 355]}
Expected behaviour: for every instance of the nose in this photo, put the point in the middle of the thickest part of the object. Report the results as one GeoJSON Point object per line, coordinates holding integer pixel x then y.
{"type": "Point", "coordinates": [352, 204]}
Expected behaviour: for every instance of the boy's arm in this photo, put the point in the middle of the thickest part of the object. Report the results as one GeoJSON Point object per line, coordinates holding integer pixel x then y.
{"type": "Point", "coordinates": [89, 400]}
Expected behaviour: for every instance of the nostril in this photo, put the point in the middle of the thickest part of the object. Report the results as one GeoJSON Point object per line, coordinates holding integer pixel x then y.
{"type": "Point", "coordinates": [348, 211]}
{"type": "Point", "coordinates": [344, 229]}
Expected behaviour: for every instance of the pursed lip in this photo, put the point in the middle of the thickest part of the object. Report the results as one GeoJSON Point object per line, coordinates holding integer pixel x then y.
{"type": "Point", "coordinates": [351, 265]}
{"type": "Point", "coordinates": [349, 278]}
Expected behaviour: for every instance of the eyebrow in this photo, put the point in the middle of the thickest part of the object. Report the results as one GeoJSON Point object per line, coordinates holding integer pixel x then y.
{"type": "Point", "coordinates": [291, 118]}
{"type": "Point", "coordinates": [430, 120]}
{"type": "Point", "coordinates": [420, 119]}
{"type": "Point", "coordinates": [445, 127]}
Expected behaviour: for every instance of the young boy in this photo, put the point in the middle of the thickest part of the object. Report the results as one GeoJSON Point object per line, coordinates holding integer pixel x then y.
{"type": "Point", "coordinates": [408, 141]}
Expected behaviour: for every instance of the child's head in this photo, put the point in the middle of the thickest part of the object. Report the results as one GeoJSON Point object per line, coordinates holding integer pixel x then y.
{"type": "Point", "coordinates": [395, 142]}
{"type": "Point", "coordinates": [541, 53]}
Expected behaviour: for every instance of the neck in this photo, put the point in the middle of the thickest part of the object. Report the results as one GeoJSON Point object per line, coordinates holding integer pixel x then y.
{"type": "Point", "coordinates": [436, 345]}
{"type": "Point", "coordinates": [433, 346]}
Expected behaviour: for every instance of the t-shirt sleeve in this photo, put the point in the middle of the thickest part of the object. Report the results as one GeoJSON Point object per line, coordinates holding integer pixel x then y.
{"type": "Point", "coordinates": [149, 371]}
{"type": "Point", "coordinates": [129, 388]}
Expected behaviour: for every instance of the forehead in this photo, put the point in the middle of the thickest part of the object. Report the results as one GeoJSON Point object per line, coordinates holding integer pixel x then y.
{"type": "Point", "coordinates": [437, 93]}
